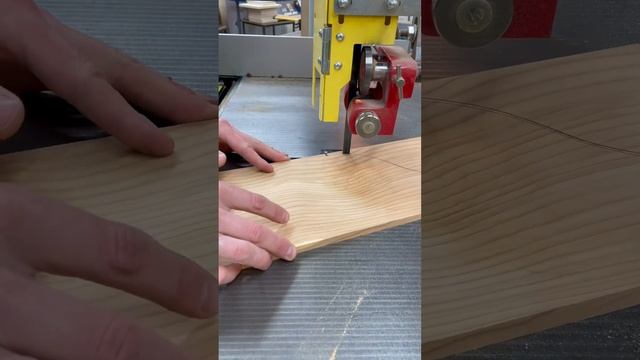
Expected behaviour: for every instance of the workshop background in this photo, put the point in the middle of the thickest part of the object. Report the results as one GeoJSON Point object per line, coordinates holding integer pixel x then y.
{"type": "Point", "coordinates": [232, 14]}
{"type": "Point", "coordinates": [579, 26]}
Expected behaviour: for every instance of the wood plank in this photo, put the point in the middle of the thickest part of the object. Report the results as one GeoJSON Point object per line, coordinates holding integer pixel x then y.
{"type": "Point", "coordinates": [173, 198]}
{"type": "Point", "coordinates": [337, 197]}
{"type": "Point", "coordinates": [532, 203]}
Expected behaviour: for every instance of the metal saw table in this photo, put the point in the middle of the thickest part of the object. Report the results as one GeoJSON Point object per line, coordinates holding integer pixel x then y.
{"type": "Point", "coordinates": [355, 299]}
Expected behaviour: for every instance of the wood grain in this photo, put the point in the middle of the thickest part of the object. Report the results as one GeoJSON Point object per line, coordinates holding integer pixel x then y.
{"type": "Point", "coordinates": [173, 198]}
{"type": "Point", "coordinates": [531, 198]}
{"type": "Point", "coordinates": [337, 197]}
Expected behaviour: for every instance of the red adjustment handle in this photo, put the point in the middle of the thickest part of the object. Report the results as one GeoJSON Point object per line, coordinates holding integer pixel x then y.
{"type": "Point", "coordinates": [377, 114]}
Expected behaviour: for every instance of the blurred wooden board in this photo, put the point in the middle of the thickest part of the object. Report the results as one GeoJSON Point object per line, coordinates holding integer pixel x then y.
{"type": "Point", "coordinates": [531, 198]}
{"type": "Point", "coordinates": [336, 197]}
{"type": "Point", "coordinates": [173, 198]}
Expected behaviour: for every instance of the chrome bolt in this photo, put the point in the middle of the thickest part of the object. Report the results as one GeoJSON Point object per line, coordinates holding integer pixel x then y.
{"type": "Point", "coordinates": [339, 36]}
{"type": "Point", "coordinates": [393, 4]}
{"type": "Point", "coordinates": [343, 4]}
{"type": "Point", "coordinates": [368, 124]}
{"type": "Point", "coordinates": [337, 65]}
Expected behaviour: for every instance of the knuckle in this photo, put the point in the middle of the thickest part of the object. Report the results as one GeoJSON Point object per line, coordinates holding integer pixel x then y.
{"type": "Point", "coordinates": [258, 202]}
{"type": "Point", "coordinates": [243, 147]}
{"type": "Point", "coordinates": [124, 248]}
{"type": "Point", "coordinates": [121, 67]}
{"type": "Point", "coordinates": [256, 232]}
{"type": "Point", "coordinates": [266, 262]}
{"type": "Point", "coordinates": [238, 251]}
{"type": "Point", "coordinates": [81, 80]}
{"type": "Point", "coordinates": [118, 340]}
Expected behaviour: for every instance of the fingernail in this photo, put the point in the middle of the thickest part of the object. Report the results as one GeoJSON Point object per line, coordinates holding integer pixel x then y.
{"type": "Point", "coordinates": [291, 253]}
{"type": "Point", "coordinates": [285, 217]}
{"type": "Point", "coordinates": [207, 301]}
{"type": "Point", "coordinates": [222, 158]}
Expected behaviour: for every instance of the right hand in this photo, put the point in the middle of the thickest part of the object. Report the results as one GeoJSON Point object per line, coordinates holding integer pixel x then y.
{"type": "Point", "coordinates": [242, 242]}
{"type": "Point", "coordinates": [37, 322]}
{"type": "Point", "coordinates": [38, 52]}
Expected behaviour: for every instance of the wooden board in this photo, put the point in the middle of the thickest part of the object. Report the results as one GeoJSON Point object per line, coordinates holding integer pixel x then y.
{"type": "Point", "coordinates": [336, 197]}
{"type": "Point", "coordinates": [531, 198]}
{"type": "Point", "coordinates": [173, 198]}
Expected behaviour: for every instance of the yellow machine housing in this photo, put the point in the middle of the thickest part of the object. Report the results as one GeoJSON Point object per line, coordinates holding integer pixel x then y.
{"type": "Point", "coordinates": [345, 32]}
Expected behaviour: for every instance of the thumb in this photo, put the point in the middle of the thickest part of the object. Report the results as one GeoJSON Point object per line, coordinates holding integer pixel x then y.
{"type": "Point", "coordinates": [11, 113]}
{"type": "Point", "coordinates": [222, 159]}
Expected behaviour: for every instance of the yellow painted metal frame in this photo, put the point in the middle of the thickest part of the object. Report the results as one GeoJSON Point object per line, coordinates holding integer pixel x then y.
{"type": "Point", "coordinates": [363, 30]}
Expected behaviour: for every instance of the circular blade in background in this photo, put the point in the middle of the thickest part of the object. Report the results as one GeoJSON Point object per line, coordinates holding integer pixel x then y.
{"type": "Point", "coordinates": [366, 70]}
{"type": "Point", "coordinates": [472, 23]}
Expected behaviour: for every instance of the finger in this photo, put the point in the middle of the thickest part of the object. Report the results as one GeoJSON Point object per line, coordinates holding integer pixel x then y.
{"type": "Point", "coordinates": [241, 145]}
{"type": "Point", "coordinates": [228, 273]}
{"type": "Point", "coordinates": [234, 225]}
{"type": "Point", "coordinates": [9, 355]}
{"type": "Point", "coordinates": [11, 113]}
{"type": "Point", "coordinates": [240, 199]}
{"type": "Point", "coordinates": [71, 242]}
{"type": "Point", "coordinates": [253, 158]}
{"type": "Point", "coordinates": [232, 250]}
{"type": "Point", "coordinates": [267, 151]}
{"type": "Point", "coordinates": [134, 80]}
{"type": "Point", "coordinates": [63, 70]}
{"type": "Point", "coordinates": [144, 86]}
{"type": "Point", "coordinates": [48, 324]}
{"type": "Point", "coordinates": [167, 100]}
{"type": "Point", "coordinates": [222, 159]}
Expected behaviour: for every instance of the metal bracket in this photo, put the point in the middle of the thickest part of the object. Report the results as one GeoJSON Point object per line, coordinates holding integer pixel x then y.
{"type": "Point", "coordinates": [377, 7]}
{"type": "Point", "coordinates": [325, 58]}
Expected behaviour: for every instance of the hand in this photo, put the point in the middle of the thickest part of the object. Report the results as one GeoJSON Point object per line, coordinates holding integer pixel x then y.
{"type": "Point", "coordinates": [253, 150]}
{"type": "Point", "coordinates": [41, 235]}
{"type": "Point", "coordinates": [242, 242]}
{"type": "Point", "coordinates": [37, 53]}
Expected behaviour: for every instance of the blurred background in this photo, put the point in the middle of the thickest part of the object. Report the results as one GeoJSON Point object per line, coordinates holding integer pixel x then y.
{"type": "Point", "coordinates": [544, 29]}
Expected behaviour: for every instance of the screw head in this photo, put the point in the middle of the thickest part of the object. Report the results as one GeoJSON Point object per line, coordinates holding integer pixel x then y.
{"type": "Point", "coordinates": [337, 65]}
{"type": "Point", "coordinates": [339, 36]}
{"type": "Point", "coordinates": [393, 4]}
{"type": "Point", "coordinates": [343, 4]}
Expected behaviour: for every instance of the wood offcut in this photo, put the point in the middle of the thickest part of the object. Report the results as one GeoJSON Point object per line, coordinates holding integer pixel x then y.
{"type": "Point", "coordinates": [531, 198]}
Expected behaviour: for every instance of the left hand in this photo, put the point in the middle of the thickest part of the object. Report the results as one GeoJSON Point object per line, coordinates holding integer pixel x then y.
{"type": "Point", "coordinates": [251, 149]}
{"type": "Point", "coordinates": [243, 242]}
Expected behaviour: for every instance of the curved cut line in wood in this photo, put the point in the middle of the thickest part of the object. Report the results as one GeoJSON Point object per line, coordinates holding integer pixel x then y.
{"type": "Point", "coordinates": [526, 228]}
{"type": "Point", "coordinates": [335, 197]}
{"type": "Point", "coordinates": [532, 122]}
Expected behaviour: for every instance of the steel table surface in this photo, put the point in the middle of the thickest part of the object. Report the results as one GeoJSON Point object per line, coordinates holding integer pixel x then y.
{"type": "Point", "coordinates": [359, 298]}
{"type": "Point", "coordinates": [580, 26]}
